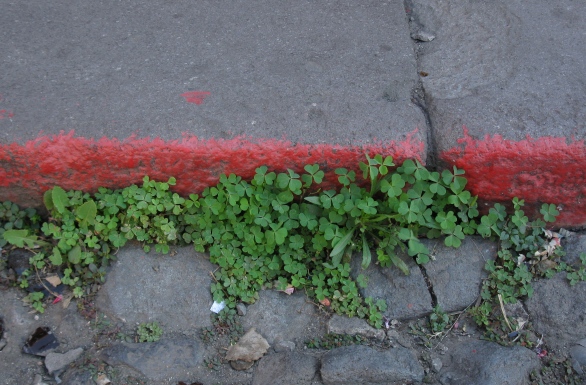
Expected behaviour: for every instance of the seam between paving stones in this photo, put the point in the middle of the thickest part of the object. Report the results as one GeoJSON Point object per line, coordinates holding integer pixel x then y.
{"type": "Point", "coordinates": [429, 285]}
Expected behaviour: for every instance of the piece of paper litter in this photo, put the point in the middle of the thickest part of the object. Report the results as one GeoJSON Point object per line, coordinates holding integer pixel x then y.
{"type": "Point", "coordinates": [217, 307]}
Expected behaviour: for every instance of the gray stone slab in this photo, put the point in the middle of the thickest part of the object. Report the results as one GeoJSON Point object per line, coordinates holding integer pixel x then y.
{"type": "Point", "coordinates": [313, 72]}
{"type": "Point", "coordinates": [280, 317]}
{"type": "Point", "coordinates": [574, 245]}
{"type": "Point", "coordinates": [456, 274]}
{"type": "Point", "coordinates": [57, 361]}
{"type": "Point", "coordinates": [173, 290]}
{"type": "Point", "coordinates": [481, 362]}
{"type": "Point", "coordinates": [407, 296]}
{"type": "Point", "coordinates": [166, 359]}
{"type": "Point", "coordinates": [558, 310]}
{"type": "Point", "coordinates": [354, 326]}
{"type": "Point", "coordinates": [287, 368]}
{"type": "Point", "coordinates": [363, 365]}
{"type": "Point", "coordinates": [513, 68]}
{"type": "Point", "coordinates": [578, 354]}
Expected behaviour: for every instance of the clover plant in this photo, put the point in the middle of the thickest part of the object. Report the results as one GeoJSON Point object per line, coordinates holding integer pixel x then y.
{"type": "Point", "coordinates": [282, 230]}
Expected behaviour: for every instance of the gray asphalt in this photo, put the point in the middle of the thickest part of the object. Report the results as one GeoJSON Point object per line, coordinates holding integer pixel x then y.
{"type": "Point", "coordinates": [311, 72]}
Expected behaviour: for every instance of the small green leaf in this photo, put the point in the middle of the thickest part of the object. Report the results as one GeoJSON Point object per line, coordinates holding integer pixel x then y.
{"type": "Point", "coordinates": [48, 199]}
{"type": "Point", "coordinates": [398, 262]}
{"type": "Point", "coordinates": [74, 255]}
{"type": "Point", "coordinates": [366, 254]}
{"type": "Point", "coordinates": [549, 212]}
{"type": "Point", "coordinates": [409, 167]}
{"type": "Point", "coordinates": [315, 200]}
{"type": "Point", "coordinates": [60, 199]}
{"type": "Point", "coordinates": [56, 258]}
{"type": "Point", "coordinates": [21, 237]}
{"type": "Point", "coordinates": [280, 236]}
{"type": "Point", "coordinates": [87, 213]}
{"type": "Point", "coordinates": [346, 177]}
{"type": "Point", "coordinates": [342, 243]}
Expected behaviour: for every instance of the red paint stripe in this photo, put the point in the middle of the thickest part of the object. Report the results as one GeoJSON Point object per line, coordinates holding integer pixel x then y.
{"type": "Point", "coordinates": [543, 170]}
{"type": "Point", "coordinates": [86, 164]}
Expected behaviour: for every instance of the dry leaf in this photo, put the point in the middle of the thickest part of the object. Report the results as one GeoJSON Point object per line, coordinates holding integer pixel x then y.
{"type": "Point", "coordinates": [289, 290]}
{"type": "Point", "coordinates": [103, 380]}
{"type": "Point", "coordinates": [249, 348]}
{"type": "Point", "coordinates": [325, 302]}
{"type": "Point", "coordinates": [66, 300]}
{"type": "Point", "coordinates": [53, 280]}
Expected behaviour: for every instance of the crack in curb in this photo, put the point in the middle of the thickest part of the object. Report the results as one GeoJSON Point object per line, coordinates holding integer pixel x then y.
{"type": "Point", "coordinates": [418, 95]}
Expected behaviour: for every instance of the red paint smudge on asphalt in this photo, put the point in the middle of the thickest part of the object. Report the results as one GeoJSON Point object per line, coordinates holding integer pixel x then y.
{"type": "Point", "coordinates": [6, 114]}
{"type": "Point", "coordinates": [543, 170]}
{"type": "Point", "coordinates": [86, 164]}
{"type": "Point", "coordinates": [196, 97]}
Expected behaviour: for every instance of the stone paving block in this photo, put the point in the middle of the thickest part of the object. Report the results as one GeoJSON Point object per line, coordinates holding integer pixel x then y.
{"type": "Point", "coordinates": [280, 317]}
{"type": "Point", "coordinates": [574, 245]}
{"type": "Point", "coordinates": [456, 274]}
{"type": "Point", "coordinates": [513, 74]}
{"type": "Point", "coordinates": [407, 296]}
{"type": "Point", "coordinates": [354, 326]}
{"type": "Point", "coordinates": [363, 365]}
{"type": "Point", "coordinates": [151, 287]}
{"type": "Point", "coordinates": [167, 358]}
{"type": "Point", "coordinates": [558, 310]}
{"type": "Point", "coordinates": [286, 368]}
{"type": "Point", "coordinates": [487, 363]}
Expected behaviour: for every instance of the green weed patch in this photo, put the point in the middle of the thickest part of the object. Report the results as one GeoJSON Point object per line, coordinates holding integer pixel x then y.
{"type": "Point", "coordinates": [284, 231]}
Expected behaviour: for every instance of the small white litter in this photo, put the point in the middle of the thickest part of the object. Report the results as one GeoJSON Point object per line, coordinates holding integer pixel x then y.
{"type": "Point", "coordinates": [217, 307]}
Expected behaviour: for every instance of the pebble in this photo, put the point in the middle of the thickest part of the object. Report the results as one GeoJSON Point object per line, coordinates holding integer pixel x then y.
{"type": "Point", "coordinates": [284, 346]}
{"type": "Point", "coordinates": [38, 380]}
{"type": "Point", "coordinates": [241, 365]}
{"type": "Point", "coordinates": [241, 309]}
{"type": "Point", "coordinates": [422, 36]}
{"type": "Point", "coordinates": [57, 361]}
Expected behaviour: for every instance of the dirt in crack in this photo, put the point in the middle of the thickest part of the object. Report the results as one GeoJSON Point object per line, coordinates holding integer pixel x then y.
{"type": "Point", "coordinates": [429, 285]}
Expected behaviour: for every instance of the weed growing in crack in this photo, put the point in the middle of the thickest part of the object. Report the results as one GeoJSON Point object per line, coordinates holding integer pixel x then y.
{"type": "Point", "coordinates": [13, 217]}
{"type": "Point", "coordinates": [226, 323]}
{"type": "Point", "coordinates": [575, 274]}
{"type": "Point", "coordinates": [438, 320]}
{"type": "Point", "coordinates": [149, 332]}
{"type": "Point", "coordinates": [526, 251]}
{"type": "Point", "coordinates": [35, 299]}
{"type": "Point", "coordinates": [213, 363]}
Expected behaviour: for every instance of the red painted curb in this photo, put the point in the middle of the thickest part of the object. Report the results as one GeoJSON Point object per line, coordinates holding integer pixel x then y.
{"type": "Point", "coordinates": [86, 164]}
{"type": "Point", "coordinates": [543, 170]}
